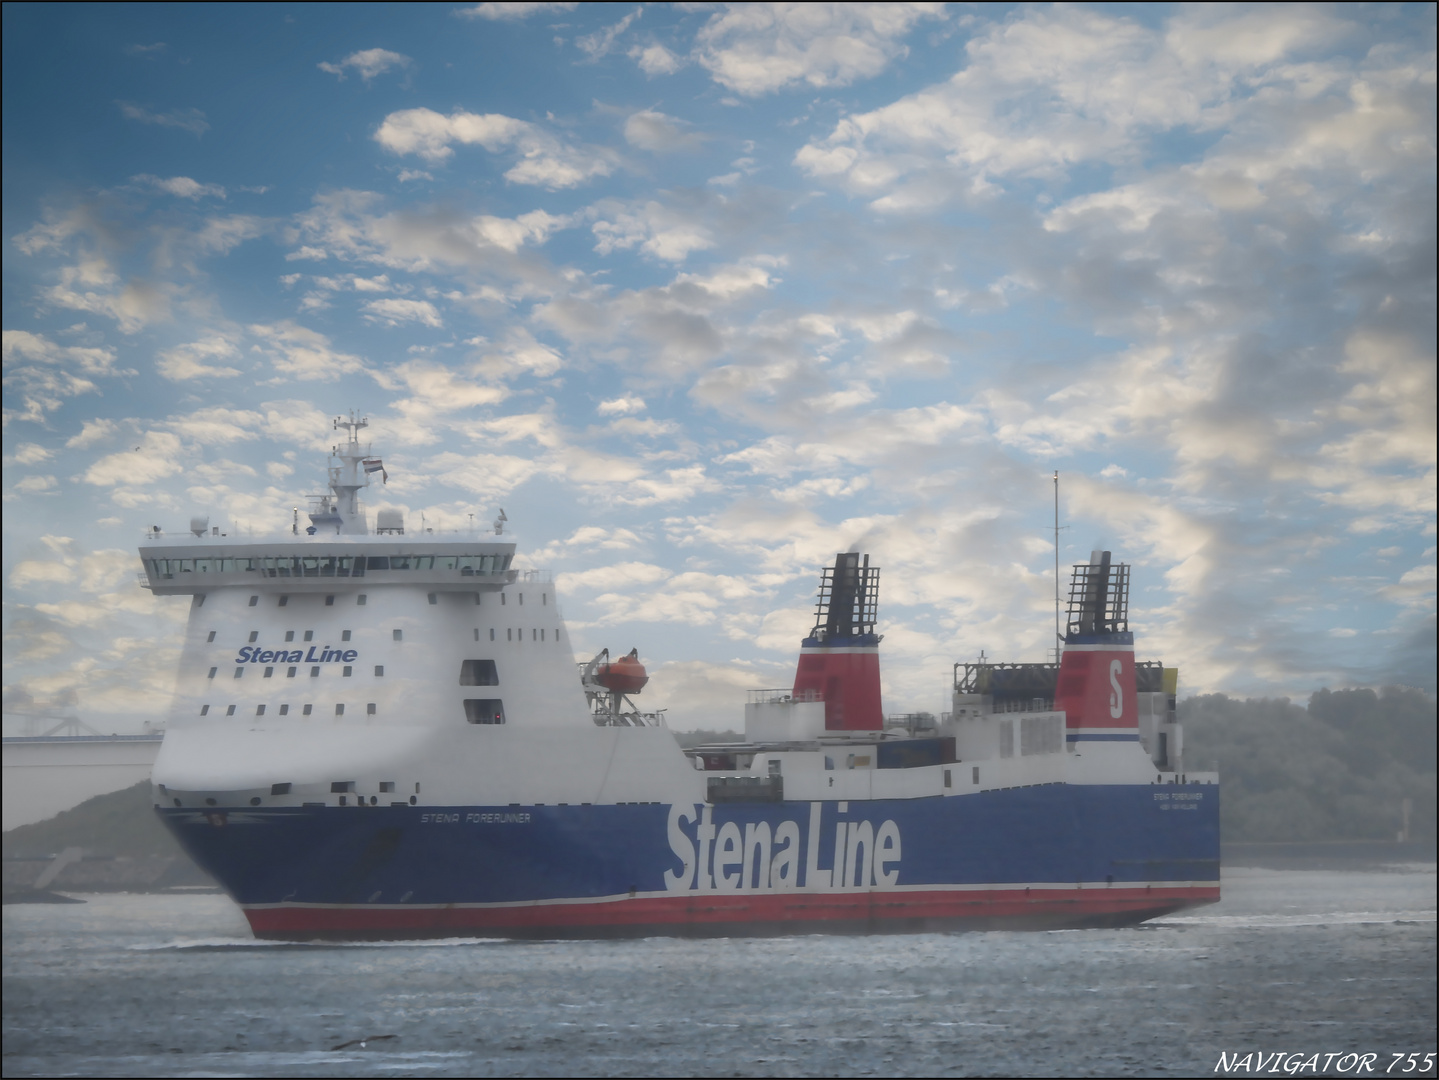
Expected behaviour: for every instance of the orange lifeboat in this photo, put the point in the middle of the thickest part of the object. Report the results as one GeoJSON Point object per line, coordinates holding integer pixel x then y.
{"type": "Point", "coordinates": [625, 675]}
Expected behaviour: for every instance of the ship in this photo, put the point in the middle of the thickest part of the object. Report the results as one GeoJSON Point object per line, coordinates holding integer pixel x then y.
{"type": "Point", "coordinates": [378, 734]}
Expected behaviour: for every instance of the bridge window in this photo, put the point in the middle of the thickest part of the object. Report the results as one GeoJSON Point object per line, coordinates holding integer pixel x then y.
{"type": "Point", "coordinates": [479, 673]}
{"type": "Point", "coordinates": [484, 711]}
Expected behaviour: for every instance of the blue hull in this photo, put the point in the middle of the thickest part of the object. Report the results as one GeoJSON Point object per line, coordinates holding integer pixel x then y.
{"type": "Point", "coordinates": [1049, 855]}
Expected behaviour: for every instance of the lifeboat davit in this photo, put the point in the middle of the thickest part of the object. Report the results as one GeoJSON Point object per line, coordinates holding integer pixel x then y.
{"type": "Point", "coordinates": [625, 675]}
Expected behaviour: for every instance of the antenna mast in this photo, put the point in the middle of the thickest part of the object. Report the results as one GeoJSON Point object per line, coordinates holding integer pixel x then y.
{"type": "Point", "coordinates": [1057, 637]}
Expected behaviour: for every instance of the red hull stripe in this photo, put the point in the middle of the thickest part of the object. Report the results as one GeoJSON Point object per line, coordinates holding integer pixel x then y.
{"type": "Point", "coordinates": [737, 909]}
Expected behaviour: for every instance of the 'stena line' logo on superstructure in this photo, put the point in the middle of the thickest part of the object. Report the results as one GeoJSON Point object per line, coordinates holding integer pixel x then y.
{"type": "Point", "coordinates": [326, 655]}
{"type": "Point", "coordinates": [732, 857]}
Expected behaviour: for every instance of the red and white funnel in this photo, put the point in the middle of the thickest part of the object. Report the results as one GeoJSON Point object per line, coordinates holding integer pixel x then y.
{"type": "Point", "coordinates": [839, 661]}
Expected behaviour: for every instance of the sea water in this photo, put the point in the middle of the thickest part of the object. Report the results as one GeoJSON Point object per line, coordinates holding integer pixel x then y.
{"type": "Point", "coordinates": [1297, 962]}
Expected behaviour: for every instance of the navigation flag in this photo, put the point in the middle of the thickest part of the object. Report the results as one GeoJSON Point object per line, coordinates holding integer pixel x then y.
{"type": "Point", "coordinates": [375, 465]}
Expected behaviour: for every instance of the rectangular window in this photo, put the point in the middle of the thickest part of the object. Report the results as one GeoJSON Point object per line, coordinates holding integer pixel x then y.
{"type": "Point", "coordinates": [492, 633]}
{"type": "Point", "coordinates": [284, 600]}
{"type": "Point", "coordinates": [307, 710]}
{"type": "Point", "coordinates": [484, 711]}
{"type": "Point", "coordinates": [398, 635]}
{"type": "Point", "coordinates": [360, 600]}
{"type": "Point", "coordinates": [522, 599]}
{"type": "Point", "coordinates": [370, 709]}
{"type": "Point", "coordinates": [204, 710]}
{"type": "Point", "coordinates": [348, 671]}
{"type": "Point", "coordinates": [211, 637]}
{"type": "Point", "coordinates": [230, 711]}
{"type": "Point", "coordinates": [254, 600]}
{"type": "Point", "coordinates": [477, 633]}
{"type": "Point", "coordinates": [509, 633]}
{"type": "Point", "coordinates": [386, 785]}
{"type": "Point", "coordinates": [502, 599]}
{"type": "Point", "coordinates": [259, 710]}
{"type": "Point", "coordinates": [279, 789]}
{"type": "Point", "coordinates": [269, 671]}
{"type": "Point", "coordinates": [239, 671]}
{"type": "Point", "coordinates": [284, 710]}
{"type": "Point", "coordinates": [379, 670]}
{"type": "Point", "coordinates": [339, 710]}
{"type": "Point", "coordinates": [478, 673]}
{"type": "Point", "coordinates": [290, 672]}
{"type": "Point", "coordinates": [344, 635]}
{"type": "Point", "coordinates": [315, 672]}
{"type": "Point", "coordinates": [254, 635]}
{"type": "Point", "coordinates": [309, 635]}
{"type": "Point", "coordinates": [330, 600]}
{"type": "Point", "coordinates": [339, 787]}
{"type": "Point", "coordinates": [289, 635]}
{"type": "Point", "coordinates": [976, 774]}
{"type": "Point", "coordinates": [212, 673]}
{"type": "Point", "coordinates": [946, 778]}
{"type": "Point", "coordinates": [434, 599]}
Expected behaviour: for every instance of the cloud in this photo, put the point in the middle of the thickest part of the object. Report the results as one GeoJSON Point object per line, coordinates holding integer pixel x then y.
{"type": "Point", "coordinates": [40, 374]}
{"type": "Point", "coordinates": [196, 359]}
{"type": "Point", "coordinates": [349, 225]}
{"type": "Point", "coordinates": [620, 406]}
{"type": "Point", "coordinates": [191, 120]}
{"type": "Point", "coordinates": [602, 41]}
{"type": "Point", "coordinates": [499, 12]}
{"type": "Point", "coordinates": [303, 353]}
{"type": "Point", "coordinates": [367, 63]}
{"type": "Point", "coordinates": [654, 59]}
{"type": "Point", "coordinates": [756, 49]}
{"type": "Point", "coordinates": [181, 186]}
{"type": "Point", "coordinates": [658, 133]}
{"type": "Point", "coordinates": [544, 160]}
{"type": "Point", "coordinates": [392, 312]}
{"type": "Point", "coordinates": [1057, 87]}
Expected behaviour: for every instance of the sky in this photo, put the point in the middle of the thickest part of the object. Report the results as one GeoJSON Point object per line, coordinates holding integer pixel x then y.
{"type": "Point", "coordinates": [702, 294]}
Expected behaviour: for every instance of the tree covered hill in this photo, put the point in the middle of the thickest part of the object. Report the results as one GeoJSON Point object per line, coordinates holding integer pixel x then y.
{"type": "Point", "coordinates": [1339, 770]}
